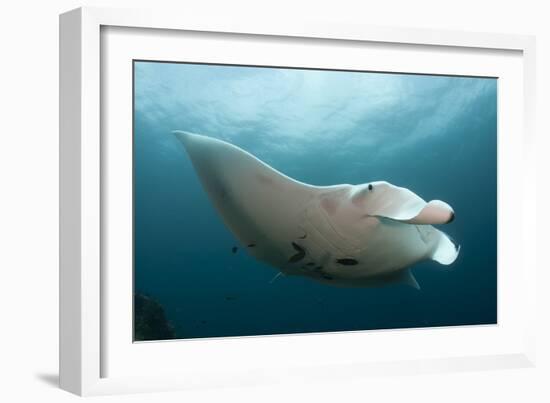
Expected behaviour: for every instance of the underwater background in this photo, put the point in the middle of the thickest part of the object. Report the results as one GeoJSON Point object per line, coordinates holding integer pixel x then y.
{"type": "Point", "coordinates": [435, 135]}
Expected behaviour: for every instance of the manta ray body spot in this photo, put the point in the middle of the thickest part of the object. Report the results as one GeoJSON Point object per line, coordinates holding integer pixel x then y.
{"type": "Point", "coordinates": [298, 256]}
{"type": "Point", "coordinates": [347, 261]}
{"type": "Point", "coordinates": [223, 193]}
{"type": "Point", "coordinates": [370, 186]}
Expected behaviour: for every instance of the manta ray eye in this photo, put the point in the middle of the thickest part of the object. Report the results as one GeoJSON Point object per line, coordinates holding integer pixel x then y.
{"type": "Point", "coordinates": [370, 186]}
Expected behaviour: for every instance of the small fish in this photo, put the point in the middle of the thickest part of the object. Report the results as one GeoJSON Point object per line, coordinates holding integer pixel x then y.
{"type": "Point", "coordinates": [347, 261]}
{"type": "Point", "coordinates": [234, 249]}
{"type": "Point", "coordinates": [303, 237]}
{"type": "Point", "coordinates": [230, 297]}
{"type": "Point", "coordinates": [310, 264]}
{"type": "Point", "coordinates": [251, 245]}
{"type": "Point", "coordinates": [327, 277]}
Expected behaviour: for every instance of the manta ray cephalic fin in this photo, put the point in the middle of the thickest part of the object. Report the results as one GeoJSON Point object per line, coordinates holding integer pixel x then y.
{"type": "Point", "coordinates": [397, 203]}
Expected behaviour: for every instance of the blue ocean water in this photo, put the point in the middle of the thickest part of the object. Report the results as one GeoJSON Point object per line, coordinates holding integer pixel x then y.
{"type": "Point", "coordinates": [435, 135]}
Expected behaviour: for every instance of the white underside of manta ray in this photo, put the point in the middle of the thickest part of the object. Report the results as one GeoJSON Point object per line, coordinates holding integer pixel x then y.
{"type": "Point", "coordinates": [346, 235]}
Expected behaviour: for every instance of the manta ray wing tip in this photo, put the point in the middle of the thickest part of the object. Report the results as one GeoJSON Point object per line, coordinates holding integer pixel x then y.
{"type": "Point", "coordinates": [180, 133]}
{"type": "Point", "coordinates": [185, 136]}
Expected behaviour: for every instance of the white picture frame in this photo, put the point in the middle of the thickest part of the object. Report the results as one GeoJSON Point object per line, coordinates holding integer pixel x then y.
{"type": "Point", "coordinates": [86, 346]}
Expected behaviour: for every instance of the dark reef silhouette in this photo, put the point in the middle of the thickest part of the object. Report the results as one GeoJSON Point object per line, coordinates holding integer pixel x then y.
{"type": "Point", "coordinates": [150, 321]}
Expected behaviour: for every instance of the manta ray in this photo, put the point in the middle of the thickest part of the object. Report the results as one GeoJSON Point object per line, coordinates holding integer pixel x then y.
{"type": "Point", "coordinates": [344, 235]}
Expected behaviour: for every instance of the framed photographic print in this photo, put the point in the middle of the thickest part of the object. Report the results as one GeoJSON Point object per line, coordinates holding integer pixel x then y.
{"type": "Point", "coordinates": [232, 246]}
{"type": "Point", "coordinates": [248, 202]}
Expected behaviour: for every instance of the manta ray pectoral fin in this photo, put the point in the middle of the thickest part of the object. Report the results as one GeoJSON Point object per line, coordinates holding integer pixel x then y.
{"type": "Point", "coordinates": [257, 203]}
{"type": "Point", "coordinates": [386, 200]}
